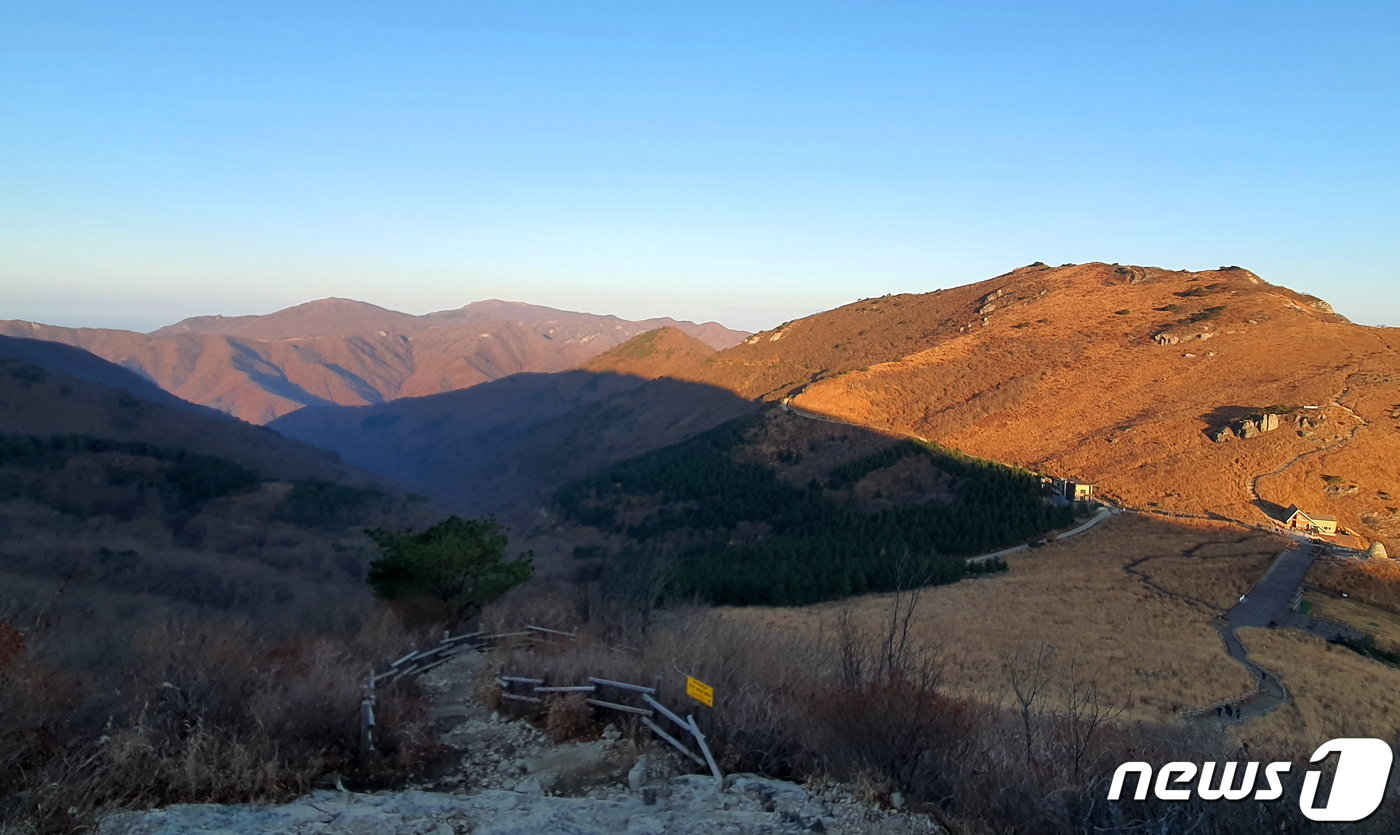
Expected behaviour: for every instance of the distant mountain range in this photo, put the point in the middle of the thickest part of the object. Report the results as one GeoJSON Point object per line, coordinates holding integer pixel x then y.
{"type": "Point", "coordinates": [1149, 382]}
{"type": "Point", "coordinates": [344, 352]}
{"type": "Point", "coordinates": [1120, 375]}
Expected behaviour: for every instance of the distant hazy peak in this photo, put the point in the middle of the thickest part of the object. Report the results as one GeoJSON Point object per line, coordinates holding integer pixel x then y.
{"type": "Point", "coordinates": [344, 317]}
{"type": "Point", "coordinates": [323, 317]}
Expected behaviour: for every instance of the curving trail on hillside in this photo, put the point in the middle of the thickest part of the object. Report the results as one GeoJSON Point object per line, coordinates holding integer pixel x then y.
{"type": "Point", "coordinates": [1259, 501]}
{"type": "Point", "coordinates": [1269, 693]}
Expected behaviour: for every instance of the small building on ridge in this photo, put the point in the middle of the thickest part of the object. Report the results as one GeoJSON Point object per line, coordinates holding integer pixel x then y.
{"type": "Point", "coordinates": [1297, 520]}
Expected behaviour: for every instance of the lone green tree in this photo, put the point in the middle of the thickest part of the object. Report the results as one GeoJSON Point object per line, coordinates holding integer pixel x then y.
{"type": "Point", "coordinates": [459, 562]}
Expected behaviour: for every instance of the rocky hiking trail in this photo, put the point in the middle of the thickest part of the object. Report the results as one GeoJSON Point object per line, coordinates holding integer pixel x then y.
{"type": "Point", "coordinates": [511, 779]}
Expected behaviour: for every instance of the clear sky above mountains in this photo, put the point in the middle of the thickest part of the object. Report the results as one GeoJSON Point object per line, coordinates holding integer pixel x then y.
{"type": "Point", "coordinates": [746, 162]}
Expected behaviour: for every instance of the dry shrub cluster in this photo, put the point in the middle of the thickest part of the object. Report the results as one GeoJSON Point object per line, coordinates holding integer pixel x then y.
{"type": "Point", "coordinates": [568, 717]}
{"type": "Point", "coordinates": [199, 713]}
{"type": "Point", "coordinates": [874, 711]}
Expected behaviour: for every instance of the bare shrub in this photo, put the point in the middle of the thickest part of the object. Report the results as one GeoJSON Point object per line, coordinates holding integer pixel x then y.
{"type": "Point", "coordinates": [850, 704]}
{"type": "Point", "coordinates": [568, 717]}
{"type": "Point", "coordinates": [903, 730]}
{"type": "Point", "coordinates": [206, 713]}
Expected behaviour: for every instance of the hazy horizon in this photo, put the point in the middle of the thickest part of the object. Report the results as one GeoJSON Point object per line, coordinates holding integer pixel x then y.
{"type": "Point", "coordinates": [145, 322]}
{"type": "Point", "coordinates": [741, 164]}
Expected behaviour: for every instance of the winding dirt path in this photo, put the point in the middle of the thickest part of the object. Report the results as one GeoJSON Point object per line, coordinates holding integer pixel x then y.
{"type": "Point", "coordinates": [1269, 693]}
{"type": "Point", "coordinates": [1259, 501]}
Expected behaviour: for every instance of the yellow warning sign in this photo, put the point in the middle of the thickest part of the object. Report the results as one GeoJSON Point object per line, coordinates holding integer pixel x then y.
{"type": "Point", "coordinates": [700, 691]}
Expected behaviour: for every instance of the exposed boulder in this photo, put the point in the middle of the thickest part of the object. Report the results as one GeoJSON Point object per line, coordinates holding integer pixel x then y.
{"type": "Point", "coordinates": [1165, 338]}
{"type": "Point", "coordinates": [1377, 551]}
{"type": "Point", "coordinates": [1251, 427]}
{"type": "Point", "coordinates": [994, 295]}
{"type": "Point", "coordinates": [987, 303]}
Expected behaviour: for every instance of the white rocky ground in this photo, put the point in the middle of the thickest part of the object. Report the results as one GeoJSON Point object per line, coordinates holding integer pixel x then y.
{"type": "Point", "coordinates": [514, 781]}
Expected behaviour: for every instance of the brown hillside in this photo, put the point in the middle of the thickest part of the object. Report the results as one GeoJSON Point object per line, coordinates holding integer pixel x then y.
{"type": "Point", "coordinates": [1113, 374]}
{"type": "Point", "coordinates": [324, 317]}
{"type": "Point", "coordinates": [36, 399]}
{"type": "Point", "coordinates": [113, 526]}
{"type": "Point", "coordinates": [338, 351]}
{"type": "Point", "coordinates": [664, 352]}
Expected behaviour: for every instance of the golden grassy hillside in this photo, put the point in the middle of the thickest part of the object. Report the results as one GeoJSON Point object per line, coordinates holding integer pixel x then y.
{"type": "Point", "coordinates": [1113, 374]}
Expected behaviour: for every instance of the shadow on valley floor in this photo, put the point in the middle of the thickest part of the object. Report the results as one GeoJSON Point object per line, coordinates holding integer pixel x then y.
{"type": "Point", "coordinates": [514, 440]}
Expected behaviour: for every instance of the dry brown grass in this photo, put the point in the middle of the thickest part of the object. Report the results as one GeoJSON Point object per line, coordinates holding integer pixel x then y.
{"type": "Point", "coordinates": [1153, 654]}
{"type": "Point", "coordinates": [1371, 581]}
{"type": "Point", "coordinates": [1216, 573]}
{"type": "Point", "coordinates": [787, 705]}
{"type": "Point", "coordinates": [1334, 693]}
{"type": "Point", "coordinates": [568, 717]}
{"type": "Point", "coordinates": [1381, 624]}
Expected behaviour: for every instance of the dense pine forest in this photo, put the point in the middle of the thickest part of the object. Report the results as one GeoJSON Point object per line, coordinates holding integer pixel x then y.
{"type": "Point", "coordinates": [736, 533]}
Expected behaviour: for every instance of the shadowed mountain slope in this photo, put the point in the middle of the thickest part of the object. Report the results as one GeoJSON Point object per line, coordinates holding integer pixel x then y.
{"type": "Point", "coordinates": [90, 368]}
{"type": "Point", "coordinates": [50, 389]}
{"type": "Point", "coordinates": [338, 351]}
{"type": "Point", "coordinates": [122, 507]}
{"type": "Point", "coordinates": [515, 439]}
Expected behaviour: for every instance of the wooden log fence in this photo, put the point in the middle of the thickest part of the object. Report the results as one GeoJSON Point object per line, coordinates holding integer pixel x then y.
{"type": "Point", "coordinates": [418, 661]}
{"type": "Point", "coordinates": [511, 687]}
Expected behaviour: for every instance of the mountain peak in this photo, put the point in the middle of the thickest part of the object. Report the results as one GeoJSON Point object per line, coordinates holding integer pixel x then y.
{"type": "Point", "coordinates": [322, 317]}
{"type": "Point", "coordinates": [1118, 374]}
{"type": "Point", "coordinates": [663, 352]}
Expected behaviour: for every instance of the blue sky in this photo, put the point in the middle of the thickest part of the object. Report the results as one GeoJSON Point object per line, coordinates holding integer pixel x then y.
{"type": "Point", "coordinates": [746, 162]}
